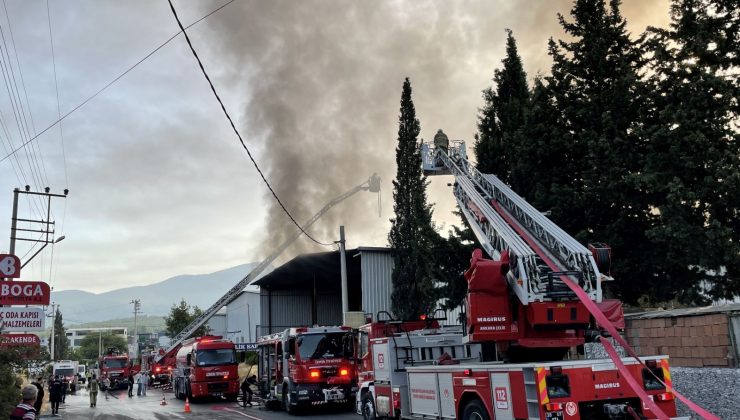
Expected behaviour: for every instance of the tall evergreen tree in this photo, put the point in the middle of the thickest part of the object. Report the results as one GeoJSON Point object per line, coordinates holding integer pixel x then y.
{"type": "Point", "coordinates": [692, 172]}
{"type": "Point", "coordinates": [61, 342]}
{"type": "Point", "coordinates": [502, 116]}
{"type": "Point", "coordinates": [596, 87]}
{"type": "Point", "coordinates": [412, 236]}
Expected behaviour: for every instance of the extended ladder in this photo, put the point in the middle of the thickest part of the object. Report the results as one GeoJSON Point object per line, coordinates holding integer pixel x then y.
{"type": "Point", "coordinates": [540, 252]}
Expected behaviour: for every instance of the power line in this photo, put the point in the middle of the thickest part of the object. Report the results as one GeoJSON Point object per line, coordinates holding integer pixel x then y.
{"type": "Point", "coordinates": [233, 127]}
{"type": "Point", "coordinates": [91, 97]}
{"type": "Point", "coordinates": [56, 86]}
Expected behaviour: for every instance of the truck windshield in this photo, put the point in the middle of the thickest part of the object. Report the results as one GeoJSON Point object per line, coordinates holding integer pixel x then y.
{"type": "Point", "coordinates": [65, 372]}
{"type": "Point", "coordinates": [214, 357]}
{"type": "Point", "coordinates": [320, 346]}
{"type": "Point", "coordinates": [115, 363]}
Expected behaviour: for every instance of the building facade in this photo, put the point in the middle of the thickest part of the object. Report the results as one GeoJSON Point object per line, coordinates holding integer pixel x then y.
{"type": "Point", "coordinates": [76, 335]}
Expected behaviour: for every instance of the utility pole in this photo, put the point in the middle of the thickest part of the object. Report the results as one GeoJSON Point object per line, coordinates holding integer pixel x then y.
{"type": "Point", "coordinates": [45, 227]}
{"type": "Point", "coordinates": [343, 263]}
{"type": "Point", "coordinates": [137, 307]}
{"type": "Point", "coordinates": [53, 324]}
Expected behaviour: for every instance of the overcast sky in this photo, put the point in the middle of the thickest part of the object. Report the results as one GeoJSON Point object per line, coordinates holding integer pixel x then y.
{"type": "Point", "coordinates": [159, 185]}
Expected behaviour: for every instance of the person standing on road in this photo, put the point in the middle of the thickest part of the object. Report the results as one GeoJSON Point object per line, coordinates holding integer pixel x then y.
{"type": "Point", "coordinates": [144, 382]}
{"type": "Point", "coordinates": [65, 388]}
{"type": "Point", "coordinates": [39, 395]}
{"type": "Point", "coordinates": [130, 385]}
{"type": "Point", "coordinates": [92, 386]}
{"type": "Point", "coordinates": [137, 379]}
{"type": "Point", "coordinates": [106, 386]}
{"type": "Point", "coordinates": [24, 410]}
{"type": "Point", "coordinates": [55, 394]}
{"type": "Point", "coordinates": [247, 390]}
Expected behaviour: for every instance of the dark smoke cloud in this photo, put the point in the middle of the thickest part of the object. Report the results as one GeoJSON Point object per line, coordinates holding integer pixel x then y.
{"type": "Point", "coordinates": [322, 82]}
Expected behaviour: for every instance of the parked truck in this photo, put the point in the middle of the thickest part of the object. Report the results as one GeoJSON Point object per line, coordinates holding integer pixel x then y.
{"type": "Point", "coordinates": [535, 296]}
{"type": "Point", "coordinates": [307, 366]}
{"type": "Point", "coordinates": [116, 367]}
{"type": "Point", "coordinates": [67, 371]}
{"type": "Point", "coordinates": [206, 366]}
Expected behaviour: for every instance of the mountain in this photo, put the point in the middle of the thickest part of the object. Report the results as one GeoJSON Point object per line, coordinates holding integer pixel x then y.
{"type": "Point", "coordinates": [203, 290]}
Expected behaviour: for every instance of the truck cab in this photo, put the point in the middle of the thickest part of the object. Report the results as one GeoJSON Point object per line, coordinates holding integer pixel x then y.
{"type": "Point", "coordinates": [206, 366]}
{"type": "Point", "coordinates": [308, 366]}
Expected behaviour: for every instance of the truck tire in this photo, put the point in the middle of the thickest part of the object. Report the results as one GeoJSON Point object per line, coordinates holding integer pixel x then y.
{"type": "Point", "coordinates": [475, 410]}
{"type": "Point", "coordinates": [287, 406]}
{"type": "Point", "coordinates": [368, 407]}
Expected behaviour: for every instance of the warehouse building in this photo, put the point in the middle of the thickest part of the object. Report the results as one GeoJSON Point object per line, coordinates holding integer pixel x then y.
{"type": "Point", "coordinates": [307, 289]}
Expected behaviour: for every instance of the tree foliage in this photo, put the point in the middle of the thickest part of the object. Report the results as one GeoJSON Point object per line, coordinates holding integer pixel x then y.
{"type": "Point", "coordinates": [61, 342]}
{"type": "Point", "coordinates": [412, 236]}
{"type": "Point", "coordinates": [93, 344]}
{"type": "Point", "coordinates": [180, 317]}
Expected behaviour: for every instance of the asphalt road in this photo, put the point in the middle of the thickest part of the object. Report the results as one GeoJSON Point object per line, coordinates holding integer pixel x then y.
{"type": "Point", "coordinates": [119, 407]}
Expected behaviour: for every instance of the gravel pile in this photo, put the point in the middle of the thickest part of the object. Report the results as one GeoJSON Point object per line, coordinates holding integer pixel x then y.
{"type": "Point", "coordinates": [715, 389]}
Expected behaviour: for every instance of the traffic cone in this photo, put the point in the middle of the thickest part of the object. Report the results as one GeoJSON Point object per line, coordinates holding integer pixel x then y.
{"type": "Point", "coordinates": [187, 405]}
{"type": "Point", "coordinates": [164, 402]}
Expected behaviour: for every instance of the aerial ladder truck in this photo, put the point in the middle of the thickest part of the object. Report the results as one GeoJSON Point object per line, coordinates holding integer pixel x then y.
{"type": "Point", "coordinates": [536, 294]}
{"type": "Point", "coordinates": [167, 359]}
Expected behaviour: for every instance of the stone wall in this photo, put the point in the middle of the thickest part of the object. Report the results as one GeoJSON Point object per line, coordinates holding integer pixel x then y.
{"type": "Point", "coordinates": [692, 341]}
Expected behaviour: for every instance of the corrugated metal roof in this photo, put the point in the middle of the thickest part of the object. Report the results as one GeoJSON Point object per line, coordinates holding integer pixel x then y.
{"type": "Point", "coordinates": [729, 308]}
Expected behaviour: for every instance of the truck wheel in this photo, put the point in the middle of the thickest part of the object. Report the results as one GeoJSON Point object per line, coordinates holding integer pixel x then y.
{"type": "Point", "coordinates": [368, 407]}
{"type": "Point", "coordinates": [475, 410]}
{"type": "Point", "coordinates": [231, 397]}
{"type": "Point", "coordinates": [287, 406]}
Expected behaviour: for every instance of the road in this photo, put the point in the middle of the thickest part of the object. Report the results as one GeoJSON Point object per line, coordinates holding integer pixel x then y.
{"type": "Point", "coordinates": [120, 407]}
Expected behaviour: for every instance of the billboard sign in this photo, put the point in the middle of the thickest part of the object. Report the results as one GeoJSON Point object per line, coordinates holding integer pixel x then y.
{"type": "Point", "coordinates": [10, 266]}
{"type": "Point", "coordinates": [18, 340]}
{"type": "Point", "coordinates": [246, 346]}
{"type": "Point", "coordinates": [22, 319]}
{"type": "Point", "coordinates": [24, 293]}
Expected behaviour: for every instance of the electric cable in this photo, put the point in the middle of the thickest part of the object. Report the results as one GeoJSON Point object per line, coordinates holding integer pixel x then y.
{"type": "Point", "coordinates": [56, 86]}
{"type": "Point", "coordinates": [109, 84]}
{"type": "Point", "coordinates": [233, 127]}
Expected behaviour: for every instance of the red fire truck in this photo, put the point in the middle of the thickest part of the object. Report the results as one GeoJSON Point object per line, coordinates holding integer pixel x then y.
{"type": "Point", "coordinates": [537, 298]}
{"type": "Point", "coordinates": [116, 367]}
{"type": "Point", "coordinates": [206, 366]}
{"type": "Point", "coordinates": [308, 366]}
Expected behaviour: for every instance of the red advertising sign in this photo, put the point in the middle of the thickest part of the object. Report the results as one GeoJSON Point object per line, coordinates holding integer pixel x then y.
{"type": "Point", "coordinates": [18, 340]}
{"type": "Point", "coordinates": [10, 266]}
{"type": "Point", "coordinates": [24, 293]}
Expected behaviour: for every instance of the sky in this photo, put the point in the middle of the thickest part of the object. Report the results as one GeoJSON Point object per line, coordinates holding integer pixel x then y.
{"type": "Point", "coordinates": [158, 183]}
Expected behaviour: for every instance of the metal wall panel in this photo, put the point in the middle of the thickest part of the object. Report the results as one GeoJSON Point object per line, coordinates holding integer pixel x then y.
{"type": "Point", "coordinates": [329, 310]}
{"type": "Point", "coordinates": [242, 317]}
{"type": "Point", "coordinates": [377, 267]}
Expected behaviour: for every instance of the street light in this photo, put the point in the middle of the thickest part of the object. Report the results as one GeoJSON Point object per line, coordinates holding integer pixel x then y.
{"type": "Point", "coordinates": [59, 239]}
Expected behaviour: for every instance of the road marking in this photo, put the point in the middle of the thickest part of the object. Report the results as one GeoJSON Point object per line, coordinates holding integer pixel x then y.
{"type": "Point", "coordinates": [241, 414]}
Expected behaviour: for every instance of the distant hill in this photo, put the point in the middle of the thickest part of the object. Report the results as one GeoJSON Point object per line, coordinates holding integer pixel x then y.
{"type": "Point", "coordinates": [79, 307]}
{"type": "Point", "coordinates": [144, 323]}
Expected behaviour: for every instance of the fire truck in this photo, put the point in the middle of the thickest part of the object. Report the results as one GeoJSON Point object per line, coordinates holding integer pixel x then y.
{"type": "Point", "coordinates": [306, 366]}
{"type": "Point", "coordinates": [116, 367]}
{"type": "Point", "coordinates": [206, 366]}
{"type": "Point", "coordinates": [536, 295]}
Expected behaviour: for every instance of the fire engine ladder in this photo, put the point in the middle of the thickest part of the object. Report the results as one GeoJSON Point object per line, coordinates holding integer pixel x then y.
{"type": "Point", "coordinates": [371, 185]}
{"type": "Point", "coordinates": [539, 251]}
{"type": "Point", "coordinates": [532, 394]}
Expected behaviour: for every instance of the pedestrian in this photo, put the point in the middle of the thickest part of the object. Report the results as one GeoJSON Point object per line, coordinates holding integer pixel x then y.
{"type": "Point", "coordinates": [65, 388]}
{"type": "Point", "coordinates": [39, 395]}
{"type": "Point", "coordinates": [130, 385]}
{"type": "Point", "coordinates": [137, 379]}
{"type": "Point", "coordinates": [92, 387]}
{"type": "Point", "coordinates": [106, 385]}
{"type": "Point", "coordinates": [144, 382]}
{"type": "Point", "coordinates": [55, 394]}
{"type": "Point", "coordinates": [24, 410]}
{"type": "Point", "coordinates": [247, 390]}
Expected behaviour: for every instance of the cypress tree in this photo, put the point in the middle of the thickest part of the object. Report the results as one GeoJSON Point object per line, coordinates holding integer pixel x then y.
{"type": "Point", "coordinates": [596, 87]}
{"type": "Point", "coordinates": [692, 172]}
{"type": "Point", "coordinates": [61, 342]}
{"type": "Point", "coordinates": [502, 116]}
{"type": "Point", "coordinates": [412, 236]}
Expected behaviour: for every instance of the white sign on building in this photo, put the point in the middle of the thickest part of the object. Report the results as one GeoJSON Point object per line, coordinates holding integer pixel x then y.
{"type": "Point", "coordinates": [22, 319]}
